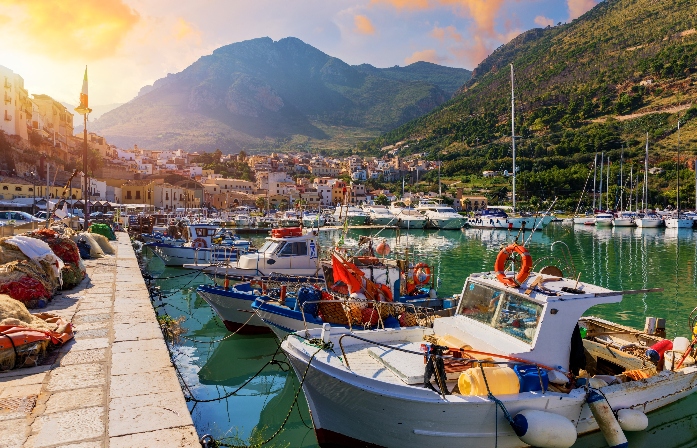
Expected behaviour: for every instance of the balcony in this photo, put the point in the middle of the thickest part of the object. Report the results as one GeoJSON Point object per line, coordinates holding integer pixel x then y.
{"type": "Point", "coordinates": [8, 84]}
{"type": "Point", "coordinates": [8, 117]}
{"type": "Point", "coordinates": [8, 99]}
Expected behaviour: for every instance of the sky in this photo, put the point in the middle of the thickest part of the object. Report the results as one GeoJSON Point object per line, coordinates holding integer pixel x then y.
{"type": "Point", "coordinates": [128, 44]}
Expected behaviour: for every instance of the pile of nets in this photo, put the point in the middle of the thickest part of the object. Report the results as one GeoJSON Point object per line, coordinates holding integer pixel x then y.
{"type": "Point", "coordinates": [104, 243]}
{"type": "Point", "coordinates": [27, 337]}
{"type": "Point", "coordinates": [86, 238]}
{"type": "Point", "coordinates": [103, 229]}
{"type": "Point", "coordinates": [27, 282]}
{"type": "Point", "coordinates": [65, 248]}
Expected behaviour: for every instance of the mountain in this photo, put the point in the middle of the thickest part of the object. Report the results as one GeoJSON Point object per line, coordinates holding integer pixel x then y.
{"type": "Point", "coordinates": [263, 94]}
{"type": "Point", "coordinates": [97, 111]}
{"type": "Point", "coordinates": [599, 83]}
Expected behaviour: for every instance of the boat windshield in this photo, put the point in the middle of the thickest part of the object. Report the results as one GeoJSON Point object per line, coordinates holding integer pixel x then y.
{"type": "Point", "coordinates": [268, 247]}
{"type": "Point", "coordinates": [509, 313]}
{"type": "Point", "coordinates": [445, 210]}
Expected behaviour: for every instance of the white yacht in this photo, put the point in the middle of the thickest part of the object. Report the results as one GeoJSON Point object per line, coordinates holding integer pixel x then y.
{"type": "Point", "coordinates": [506, 367]}
{"type": "Point", "coordinates": [678, 221]}
{"type": "Point", "coordinates": [604, 219]}
{"type": "Point", "coordinates": [380, 215]}
{"type": "Point", "coordinates": [647, 220]}
{"type": "Point", "coordinates": [441, 216]}
{"type": "Point", "coordinates": [624, 219]}
{"type": "Point", "coordinates": [314, 219]}
{"type": "Point", "coordinates": [354, 215]}
{"type": "Point", "coordinates": [588, 220]}
{"type": "Point", "coordinates": [408, 217]}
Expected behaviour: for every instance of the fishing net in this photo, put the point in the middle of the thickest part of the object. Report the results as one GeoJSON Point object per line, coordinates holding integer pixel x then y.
{"type": "Point", "coordinates": [103, 229]}
{"type": "Point", "coordinates": [104, 244]}
{"type": "Point", "coordinates": [72, 274]}
{"type": "Point", "coordinates": [62, 246]}
{"type": "Point", "coordinates": [13, 312]}
{"type": "Point", "coordinates": [41, 273]}
{"type": "Point", "coordinates": [8, 253]}
{"type": "Point", "coordinates": [95, 250]}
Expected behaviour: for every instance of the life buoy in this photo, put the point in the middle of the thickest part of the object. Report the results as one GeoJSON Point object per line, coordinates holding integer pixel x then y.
{"type": "Point", "coordinates": [421, 274]}
{"type": "Point", "coordinates": [500, 265]}
{"type": "Point", "coordinates": [199, 243]}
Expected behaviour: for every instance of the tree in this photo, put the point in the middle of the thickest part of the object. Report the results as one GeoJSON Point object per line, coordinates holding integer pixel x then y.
{"type": "Point", "coordinates": [283, 204]}
{"type": "Point", "coordinates": [35, 139]}
{"type": "Point", "coordinates": [260, 202]}
{"type": "Point", "coordinates": [382, 200]}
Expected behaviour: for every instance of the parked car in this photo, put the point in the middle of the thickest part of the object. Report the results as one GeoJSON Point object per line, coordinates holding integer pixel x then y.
{"type": "Point", "coordinates": [96, 215]}
{"type": "Point", "coordinates": [17, 218]}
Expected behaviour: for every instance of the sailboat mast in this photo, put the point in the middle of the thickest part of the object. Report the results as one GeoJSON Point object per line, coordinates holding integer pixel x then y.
{"type": "Point", "coordinates": [631, 185]}
{"type": "Point", "coordinates": [607, 184]}
{"type": "Point", "coordinates": [595, 172]}
{"type": "Point", "coordinates": [600, 194]}
{"type": "Point", "coordinates": [645, 193]}
{"type": "Point", "coordinates": [513, 132]}
{"type": "Point", "coordinates": [621, 179]}
{"type": "Point", "coordinates": [677, 193]}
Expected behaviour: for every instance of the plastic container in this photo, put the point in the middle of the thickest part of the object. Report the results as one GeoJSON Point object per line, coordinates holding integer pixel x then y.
{"type": "Point", "coordinates": [529, 377]}
{"type": "Point", "coordinates": [501, 380]}
{"type": "Point", "coordinates": [656, 351]}
{"type": "Point", "coordinates": [680, 344]}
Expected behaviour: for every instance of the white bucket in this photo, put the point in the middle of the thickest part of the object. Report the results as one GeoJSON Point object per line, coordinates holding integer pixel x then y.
{"type": "Point", "coordinates": [680, 344]}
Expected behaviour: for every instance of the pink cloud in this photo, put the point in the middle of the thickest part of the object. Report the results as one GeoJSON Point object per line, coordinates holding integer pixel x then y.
{"type": "Point", "coordinates": [363, 25]}
{"type": "Point", "coordinates": [579, 7]}
{"type": "Point", "coordinates": [544, 21]}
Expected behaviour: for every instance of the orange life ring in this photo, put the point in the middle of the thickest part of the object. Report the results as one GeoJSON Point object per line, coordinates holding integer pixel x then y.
{"type": "Point", "coordinates": [421, 274]}
{"type": "Point", "coordinates": [199, 243]}
{"type": "Point", "coordinates": [500, 265]}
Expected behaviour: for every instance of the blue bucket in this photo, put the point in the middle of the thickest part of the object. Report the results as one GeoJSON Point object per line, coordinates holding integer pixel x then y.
{"type": "Point", "coordinates": [529, 377]}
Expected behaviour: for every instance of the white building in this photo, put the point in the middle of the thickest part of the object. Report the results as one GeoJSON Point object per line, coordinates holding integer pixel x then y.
{"type": "Point", "coordinates": [15, 107]}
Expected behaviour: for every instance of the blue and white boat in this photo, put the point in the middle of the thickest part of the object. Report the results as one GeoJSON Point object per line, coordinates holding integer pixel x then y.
{"type": "Point", "coordinates": [206, 245]}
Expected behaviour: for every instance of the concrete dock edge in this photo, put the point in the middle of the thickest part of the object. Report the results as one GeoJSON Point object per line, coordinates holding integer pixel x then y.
{"type": "Point", "coordinates": [114, 385]}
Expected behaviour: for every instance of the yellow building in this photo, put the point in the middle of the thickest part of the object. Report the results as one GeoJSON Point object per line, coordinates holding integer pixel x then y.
{"type": "Point", "coordinates": [138, 192]}
{"type": "Point", "coordinates": [15, 187]}
{"type": "Point", "coordinates": [52, 118]}
{"type": "Point", "coordinates": [473, 203]}
{"type": "Point", "coordinates": [56, 191]}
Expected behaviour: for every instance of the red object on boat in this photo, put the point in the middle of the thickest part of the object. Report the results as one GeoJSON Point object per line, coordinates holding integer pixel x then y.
{"type": "Point", "coordinates": [370, 315]}
{"type": "Point", "coordinates": [661, 347]}
{"type": "Point", "coordinates": [285, 232]}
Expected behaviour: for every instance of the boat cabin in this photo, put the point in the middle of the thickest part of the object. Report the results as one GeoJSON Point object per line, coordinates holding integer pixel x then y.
{"type": "Point", "coordinates": [534, 322]}
{"type": "Point", "coordinates": [284, 252]}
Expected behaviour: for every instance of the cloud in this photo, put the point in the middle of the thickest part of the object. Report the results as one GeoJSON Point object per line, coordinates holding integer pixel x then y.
{"type": "Point", "coordinates": [72, 29]}
{"type": "Point", "coordinates": [544, 21]}
{"type": "Point", "coordinates": [425, 56]}
{"type": "Point", "coordinates": [363, 25]}
{"type": "Point", "coordinates": [447, 33]}
{"type": "Point", "coordinates": [482, 12]}
{"type": "Point", "coordinates": [579, 7]}
{"type": "Point", "coordinates": [184, 30]}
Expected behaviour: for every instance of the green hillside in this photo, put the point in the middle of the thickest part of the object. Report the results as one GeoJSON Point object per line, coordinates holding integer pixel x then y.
{"type": "Point", "coordinates": [599, 83]}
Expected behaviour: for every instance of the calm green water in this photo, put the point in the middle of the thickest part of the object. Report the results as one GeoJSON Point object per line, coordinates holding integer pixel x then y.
{"type": "Point", "coordinates": [619, 259]}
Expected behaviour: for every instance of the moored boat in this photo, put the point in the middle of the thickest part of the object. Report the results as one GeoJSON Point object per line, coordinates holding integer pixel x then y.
{"type": "Point", "coordinates": [512, 368]}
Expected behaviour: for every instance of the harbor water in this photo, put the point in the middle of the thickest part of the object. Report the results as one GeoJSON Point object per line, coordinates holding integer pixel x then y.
{"type": "Point", "coordinates": [228, 406]}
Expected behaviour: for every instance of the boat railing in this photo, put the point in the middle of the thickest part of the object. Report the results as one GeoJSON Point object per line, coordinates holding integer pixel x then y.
{"type": "Point", "coordinates": [421, 313]}
{"type": "Point", "coordinates": [215, 252]}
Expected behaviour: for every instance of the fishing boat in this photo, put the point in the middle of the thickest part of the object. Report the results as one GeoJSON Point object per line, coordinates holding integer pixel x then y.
{"type": "Point", "coordinates": [407, 217]}
{"type": "Point", "coordinates": [441, 216]}
{"type": "Point", "coordinates": [288, 251]}
{"type": "Point", "coordinates": [603, 219]}
{"type": "Point", "coordinates": [200, 248]}
{"type": "Point", "coordinates": [517, 365]}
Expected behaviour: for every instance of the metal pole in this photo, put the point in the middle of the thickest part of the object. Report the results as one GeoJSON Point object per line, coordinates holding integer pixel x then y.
{"type": "Point", "coordinates": [513, 132]}
{"type": "Point", "coordinates": [85, 191]}
{"type": "Point", "coordinates": [595, 172]}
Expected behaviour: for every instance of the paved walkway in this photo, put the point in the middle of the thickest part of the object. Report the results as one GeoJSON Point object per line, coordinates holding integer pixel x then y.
{"type": "Point", "coordinates": [113, 385]}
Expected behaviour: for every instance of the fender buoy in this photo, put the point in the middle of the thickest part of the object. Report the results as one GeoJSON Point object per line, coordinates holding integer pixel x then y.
{"type": "Point", "coordinates": [544, 429]}
{"type": "Point", "coordinates": [500, 265]}
{"type": "Point", "coordinates": [604, 417]}
{"type": "Point", "coordinates": [421, 274]}
{"type": "Point", "coordinates": [199, 243]}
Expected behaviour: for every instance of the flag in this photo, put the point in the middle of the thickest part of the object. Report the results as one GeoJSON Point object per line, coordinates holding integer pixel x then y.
{"type": "Point", "coordinates": [83, 94]}
{"type": "Point", "coordinates": [341, 273]}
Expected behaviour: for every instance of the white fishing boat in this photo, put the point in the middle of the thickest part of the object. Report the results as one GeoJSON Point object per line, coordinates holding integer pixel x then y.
{"type": "Point", "coordinates": [353, 215]}
{"type": "Point", "coordinates": [380, 215]}
{"type": "Point", "coordinates": [441, 216]}
{"type": "Point", "coordinates": [408, 217]}
{"type": "Point", "coordinates": [588, 220]}
{"type": "Point", "coordinates": [288, 251]}
{"type": "Point", "coordinates": [313, 219]}
{"type": "Point", "coordinates": [648, 220]}
{"type": "Point", "coordinates": [516, 366]}
{"type": "Point", "coordinates": [233, 307]}
{"type": "Point", "coordinates": [200, 248]}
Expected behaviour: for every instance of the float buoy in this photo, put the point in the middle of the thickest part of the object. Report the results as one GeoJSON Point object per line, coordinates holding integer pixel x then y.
{"type": "Point", "coordinates": [199, 243]}
{"type": "Point", "coordinates": [500, 265]}
{"type": "Point", "coordinates": [605, 418]}
{"type": "Point", "coordinates": [544, 429]}
{"type": "Point", "coordinates": [632, 420]}
{"type": "Point", "coordinates": [421, 274]}
{"type": "Point", "coordinates": [383, 249]}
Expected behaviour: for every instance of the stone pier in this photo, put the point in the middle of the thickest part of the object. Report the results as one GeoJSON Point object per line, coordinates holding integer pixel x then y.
{"type": "Point", "coordinates": [113, 385]}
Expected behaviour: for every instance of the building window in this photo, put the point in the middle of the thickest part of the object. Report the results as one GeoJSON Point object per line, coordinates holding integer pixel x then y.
{"type": "Point", "coordinates": [4, 187]}
{"type": "Point", "coordinates": [138, 194]}
{"type": "Point", "coordinates": [128, 194]}
{"type": "Point", "coordinates": [18, 188]}
{"type": "Point", "coordinates": [167, 196]}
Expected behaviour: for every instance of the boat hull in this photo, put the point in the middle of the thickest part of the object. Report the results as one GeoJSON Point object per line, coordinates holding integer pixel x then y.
{"type": "Point", "coordinates": [386, 221]}
{"type": "Point", "coordinates": [622, 222]}
{"type": "Point", "coordinates": [234, 308]}
{"type": "Point", "coordinates": [412, 223]}
{"type": "Point", "coordinates": [447, 223]}
{"type": "Point", "coordinates": [584, 221]}
{"type": "Point", "coordinates": [172, 255]}
{"type": "Point", "coordinates": [648, 222]}
{"type": "Point", "coordinates": [682, 223]}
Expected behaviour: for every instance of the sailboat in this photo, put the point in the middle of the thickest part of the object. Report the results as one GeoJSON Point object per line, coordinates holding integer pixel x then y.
{"type": "Point", "coordinates": [623, 218]}
{"type": "Point", "coordinates": [587, 220]}
{"type": "Point", "coordinates": [603, 219]}
{"type": "Point", "coordinates": [678, 221]}
{"type": "Point", "coordinates": [648, 219]}
{"type": "Point", "coordinates": [496, 218]}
